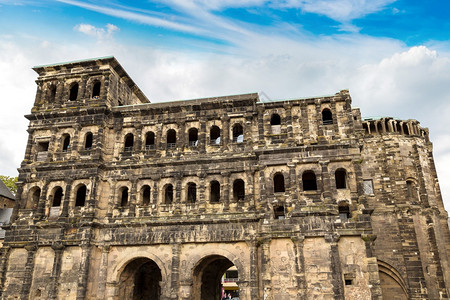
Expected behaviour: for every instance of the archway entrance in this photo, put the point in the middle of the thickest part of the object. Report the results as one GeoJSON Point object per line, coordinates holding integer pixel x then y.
{"type": "Point", "coordinates": [209, 278]}
{"type": "Point", "coordinates": [140, 280]}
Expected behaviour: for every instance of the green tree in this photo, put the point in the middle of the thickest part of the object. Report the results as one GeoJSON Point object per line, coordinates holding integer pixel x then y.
{"type": "Point", "coordinates": [10, 182]}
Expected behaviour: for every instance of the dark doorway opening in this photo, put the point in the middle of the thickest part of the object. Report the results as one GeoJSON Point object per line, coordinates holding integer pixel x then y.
{"type": "Point", "coordinates": [210, 278]}
{"type": "Point", "coordinates": [140, 280]}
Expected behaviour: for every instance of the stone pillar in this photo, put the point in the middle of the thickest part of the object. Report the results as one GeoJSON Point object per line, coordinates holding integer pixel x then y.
{"type": "Point", "coordinates": [174, 279]}
{"type": "Point", "coordinates": [291, 187]}
{"type": "Point", "coordinates": [226, 130]}
{"type": "Point", "coordinates": [250, 191]}
{"type": "Point", "coordinates": [326, 182]}
{"type": "Point", "coordinates": [372, 266]}
{"type": "Point", "coordinates": [58, 248]}
{"type": "Point", "coordinates": [265, 287]}
{"type": "Point", "coordinates": [133, 200]}
{"type": "Point", "coordinates": [225, 190]}
{"type": "Point", "coordinates": [260, 110]}
{"type": "Point", "coordinates": [84, 269]}
{"type": "Point", "coordinates": [300, 266]}
{"type": "Point", "coordinates": [4, 257]}
{"type": "Point", "coordinates": [201, 192]}
{"type": "Point", "coordinates": [83, 92]}
{"type": "Point", "coordinates": [336, 271]}
{"type": "Point", "coordinates": [288, 121]}
{"type": "Point", "coordinates": [65, 202]}
{"type": "Point", "coordinates": [202, 134]}
{"type": "Point", "coordinates": [42, 200]}
{"type": "Point", "coordinates": [112, 198]}
{"type": "Point", "coordinates": [253, 282]}
{"type": "Point", "coordinates": [103, 271]}
{"type": "Point", "coordinates": [28, 274]}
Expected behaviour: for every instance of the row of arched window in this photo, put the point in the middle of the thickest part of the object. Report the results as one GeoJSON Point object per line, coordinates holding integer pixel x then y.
{"type": "Point", "coordinates": [308, 181]}
{"type": "Point", "coordinates": [73, 91]}
{"type": "Point", "coordinates": [88, 141]}
{"type": "Point", "coordinates": [389, 125]}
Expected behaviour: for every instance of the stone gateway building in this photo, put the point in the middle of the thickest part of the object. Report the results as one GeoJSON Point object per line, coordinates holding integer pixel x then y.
{"type": "Point", "coordinates": [120, 198]}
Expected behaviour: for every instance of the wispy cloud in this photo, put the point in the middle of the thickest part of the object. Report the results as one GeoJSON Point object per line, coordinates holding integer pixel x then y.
{"type": "Point", "coordinates": [99, 33]}
{"type": "Point", "coordinates": [133, 16]}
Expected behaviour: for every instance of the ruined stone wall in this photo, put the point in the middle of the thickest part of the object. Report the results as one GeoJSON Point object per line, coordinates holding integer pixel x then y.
{"type": "Point", "coordinates": [305, 199]}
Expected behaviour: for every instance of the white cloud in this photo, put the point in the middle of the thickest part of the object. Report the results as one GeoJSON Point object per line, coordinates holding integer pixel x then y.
{"type": "Point", "coordinates": [99, 33]}
{"type": "Point", "coordinates": [339, 10]}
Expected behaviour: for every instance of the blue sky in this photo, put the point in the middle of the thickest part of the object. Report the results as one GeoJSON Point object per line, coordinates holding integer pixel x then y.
{"type": "Point", "coordinates": [393, 56]}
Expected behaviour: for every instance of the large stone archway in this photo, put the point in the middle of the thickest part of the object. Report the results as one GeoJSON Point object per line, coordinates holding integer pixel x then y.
{"type": "Point", "coordinates": [207, 277]}
{"type": "Point", "coordinates": [140, 280]}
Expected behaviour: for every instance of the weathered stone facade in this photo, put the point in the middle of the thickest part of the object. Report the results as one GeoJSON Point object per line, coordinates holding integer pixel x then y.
{"type": "Point", "coordinates": [120, 198]}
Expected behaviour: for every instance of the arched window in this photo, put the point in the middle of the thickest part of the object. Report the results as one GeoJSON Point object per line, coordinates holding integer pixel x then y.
{"type": "Point", "coordinates": [66, 142]}
{"type": "Point", "coordinates": [124, 196]}
{"type": "Point", "coordinates": [73, 92]}
{"type": "Point", "coordinates": [278, 183]}
{"type": "Point", "coordinates": [275, 120]}
{"type": "Point", "coordinates": [327, 117]}
{"type": "Point", "coordinates": [129, 141]}
{"type": "Point", "coordinates": [171, 138]}
{"type": "Point", "coordinates": [341, 178]}
{"type": "Point", "coordinates": [149, 140]}
{"type": "Point", "coordinates": [309, 181]}
{"type": "Point", "coordinates": [405, 129]}
{"type": "Point", "coordinates": [193, 137]}
{"type": "Point", "coordinates": [81, 196]}
{"type": "Point", "coordinates": [96, 90]}
{"type": "Point", "coordinates": [145, 194]}
{"type": "Point", "coordinates": [192, 193]}
{"type": "Point", "coordinates": [238, 190]}
{"type": "Point", "coordinates": [168, 194]}
{"type": "Point", "coordinates": [88, 141]}
{"type": "Point", "coordinates": [57, 197]}
{"type": "Point", "coordinates": [214, 134]}
{"type": "Point", "coordinates": [275, 124]}
{"type": "Point", "coordinates": [52, 94]}
{"type": "Point", "coordinates": [238, 133]}
{"type": "Point", "coordinates": [344, 211]}
{"type": "Point", "coordinates": [214, 192]}
{"type": "Point", "coordinates": [33, 199]}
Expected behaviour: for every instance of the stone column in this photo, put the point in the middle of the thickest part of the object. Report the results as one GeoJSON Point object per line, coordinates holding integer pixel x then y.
{"type": "Point", "coordinates": [202, 134]}
{"type": "Point", "coordinates": [291, 187]}
{"type": "Point", "coordinates": [133, 200]}
{"type": "Point", "coordinates": [112, 198]}
{"type": "Point", "coordinates": [41, 202]}
{"type": "Point", "coordinates": [253, 282]}
{"type": "Point", "coordinates": [65, 202]}
{"type": "Point", "coordinates": [372, 266]}
{"type": "Point", "coordinates": [336, 271]}
{"type": "Point", "coordinates": [260, 111]}
{"type": "Point", "coordinates": [226, 130]}
{"type": "Point", "coordinates": [300, 266]}
{"type": "Point", "coordinates": [28, 273]}
{"type": "Point", "coordinates": [265, 287]}
{"type": "Point", "coordinates": [326, 182]}
{"type": "Point", "coordinates": [288, 121]}
{"type": "Point", "coordinates": [225, 190]}
{"type": "Point", "coordinates": [84, 93]}
{"type": "Point", "coordinates": [175, 277]}
{"type": "Point", "coordinates": [201, 192]}
{"type": "Point", "coordinates": [4, 257]}
{"type": "Point", "coordinates": [84, 269]}
{"type": "Point", "coordinates": [58, 248]}
{"type": "Point", "coordinates": [103, 271]}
